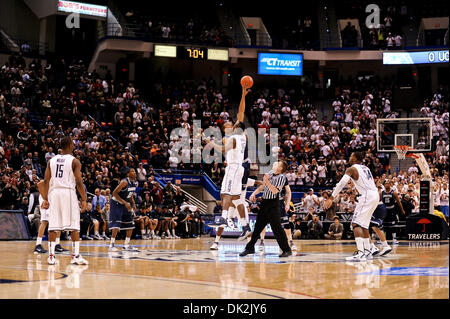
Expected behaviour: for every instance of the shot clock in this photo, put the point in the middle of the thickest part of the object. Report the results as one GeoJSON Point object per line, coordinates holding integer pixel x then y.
{"type": "Point", "coordinates": [192, 53]}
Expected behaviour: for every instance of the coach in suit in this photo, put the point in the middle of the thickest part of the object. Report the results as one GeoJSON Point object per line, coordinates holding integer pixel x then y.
{"type": "Point", "coordinates": [273, 183]}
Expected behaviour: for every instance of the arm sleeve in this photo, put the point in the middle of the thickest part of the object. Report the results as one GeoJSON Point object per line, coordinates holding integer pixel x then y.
{"type": "Point", "coordinates": [30, 204]}
{"type": "Point", "coordinates": [344, 180]}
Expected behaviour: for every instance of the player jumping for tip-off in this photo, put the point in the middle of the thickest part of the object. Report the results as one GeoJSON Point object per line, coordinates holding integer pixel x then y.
{"type": "Point", "coordinates": [235, 149]}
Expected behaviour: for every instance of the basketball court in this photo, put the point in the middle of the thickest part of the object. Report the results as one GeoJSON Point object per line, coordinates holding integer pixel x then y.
{"type": "Point", "coordinates": [180, 269]}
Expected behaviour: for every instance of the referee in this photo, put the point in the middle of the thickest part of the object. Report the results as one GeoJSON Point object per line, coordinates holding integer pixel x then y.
{"type": "Point", "coordinates": [273, 183]}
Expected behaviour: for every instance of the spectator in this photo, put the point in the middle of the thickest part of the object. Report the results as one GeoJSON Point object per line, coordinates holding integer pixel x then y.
{"type": "Point", "coordinates": [335, 230]}
{"type": "Point", "coordinates": [310, 200]}
{"type": "Point", "coordinates": [315, 228]}
{"type": "Point", "coordinates": [444, 194]}
{"type": "Point", "coordinates": [141, 173]}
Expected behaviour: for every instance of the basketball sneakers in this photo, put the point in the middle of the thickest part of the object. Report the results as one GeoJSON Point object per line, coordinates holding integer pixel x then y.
{"type": "Point", "coordinates": [246, 231]}
{"type": "Point", "coordinates": [51, 259]}
{"type": "Point", "coordinates": [357, 256]}
{"type": "Point", "coordinates": [130, 248]}
{"type": "Point", "coordinates": [39, 250]}
{"type": "Point", "coordinates": [374, 250]}
{"type": "Point", "coordinates": [59, 249]}
{"type": "Point", "coordinates": [386, 250]}
{"type": "Point", "coordinates": [78, 260]}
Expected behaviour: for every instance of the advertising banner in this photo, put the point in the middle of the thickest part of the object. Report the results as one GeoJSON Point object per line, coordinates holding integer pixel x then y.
{"type": "Point", "coordinates": [423, 57]}
{"type": "Point", "coordinates": [280, 63]}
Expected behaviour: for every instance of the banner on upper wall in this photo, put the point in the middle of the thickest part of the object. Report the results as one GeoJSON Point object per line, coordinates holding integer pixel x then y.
{"type": "Point", "coordinates": [82, 8]}
{"type": "Point", "coordinates": [423, 57]}
{"type": "Point", "coordinates": [280, 63]}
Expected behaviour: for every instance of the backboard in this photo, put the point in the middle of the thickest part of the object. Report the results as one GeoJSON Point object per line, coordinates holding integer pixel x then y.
{"type": "Point", "coordinates": [414, 132]}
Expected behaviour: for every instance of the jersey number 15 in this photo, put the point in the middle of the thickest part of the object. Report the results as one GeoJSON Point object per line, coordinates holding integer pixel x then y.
{"type": "Point", "coordinates": [59, 170]}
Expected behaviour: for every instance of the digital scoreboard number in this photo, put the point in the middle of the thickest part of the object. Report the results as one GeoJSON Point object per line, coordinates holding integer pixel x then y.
{"type": "Point", "coordinates": [192, 53]}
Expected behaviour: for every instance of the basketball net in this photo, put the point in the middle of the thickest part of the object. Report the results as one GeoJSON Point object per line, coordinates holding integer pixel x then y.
{"type": "Point", "coordinates": [401, 151]}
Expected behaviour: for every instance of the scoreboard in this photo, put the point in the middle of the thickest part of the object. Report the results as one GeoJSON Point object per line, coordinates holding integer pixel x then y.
{"type": "Point", "coordinates": [190, 52]}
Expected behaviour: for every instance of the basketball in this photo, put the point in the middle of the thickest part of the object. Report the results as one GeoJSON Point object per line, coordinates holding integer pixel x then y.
{"type": "Point", "coordinates": [247, 81]}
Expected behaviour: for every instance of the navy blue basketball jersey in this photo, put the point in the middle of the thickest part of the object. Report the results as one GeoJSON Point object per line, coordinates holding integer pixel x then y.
{"type": "Point", "coordinates": [388, 199]}
{"type": "Point", "coordinates": [128, 191]}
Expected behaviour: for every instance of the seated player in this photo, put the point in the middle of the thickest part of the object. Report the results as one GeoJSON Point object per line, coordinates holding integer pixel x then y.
{"type": "Point", "coordinates": [171, 221]}
{"type": "Point", "coordinates": [141, 221]}
{"type": "Point", "coordinates": [86, 223]}
{"type": "Point", "coordinates": [97, 221]}
{"type": "Point", "coordinates": [186, 220]}
{"type": "Point", "coordinates": [153, 222]}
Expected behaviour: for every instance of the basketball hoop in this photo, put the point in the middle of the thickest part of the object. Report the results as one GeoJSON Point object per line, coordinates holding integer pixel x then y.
{"type": "Point", "coordinates": [401, 151]}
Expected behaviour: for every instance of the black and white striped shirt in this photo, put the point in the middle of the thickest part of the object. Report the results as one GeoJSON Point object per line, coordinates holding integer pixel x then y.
{"type": "Point", "coordinates": [279, 181]}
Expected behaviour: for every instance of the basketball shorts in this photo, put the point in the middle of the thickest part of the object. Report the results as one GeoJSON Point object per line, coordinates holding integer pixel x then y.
{"type": "Point", "coordinates": [367, 203]}
{"type": "Point", "coordinates": [96, 215]}
{"type": "Point", "coordinates": [378, 216]}
{"type": "Point", "coordinates": [391, 216]}
{"type": "Point", "coordinates": [64, 210]}
{"type": "Point", "coordinates": [232, 180]}
{"type": "Point", "coordinates": [119, 217]}
{"type": "Point", "coordinates": [45, 213]}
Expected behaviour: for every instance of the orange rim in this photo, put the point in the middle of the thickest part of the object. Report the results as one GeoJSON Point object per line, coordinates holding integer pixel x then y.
{"type": "Point", "coordinates": [403, 147]}
{"type": "Point", "coordinates": [401, 151]}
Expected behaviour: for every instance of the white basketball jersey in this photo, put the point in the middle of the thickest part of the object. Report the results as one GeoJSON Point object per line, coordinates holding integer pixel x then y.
{"type": "Point", "coordinates": [236, 156]}
{"type": "Point", "coordinates": [61, 172]}
{"type": "Point", "coordinates": [365, 180]}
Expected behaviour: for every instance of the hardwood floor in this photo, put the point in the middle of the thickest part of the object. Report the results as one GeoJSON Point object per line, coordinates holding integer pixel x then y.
{"type": "Point", "coordinates": [186, 268]}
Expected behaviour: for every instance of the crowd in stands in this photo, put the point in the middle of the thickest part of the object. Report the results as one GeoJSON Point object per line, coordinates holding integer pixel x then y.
{"type": "Point", "coordinates": [297, 33]}
{"type": "Point", "coordinates": [38, 105]}
{"type": "Point", "coordinates": [317, 150]}
{"type": "Point", "coordinates": [382, 37]}
{"type": "Point", "coordinates": [115, 127]}
{"type": "Point", "coordinates": [396, 18]}
{"type": "Point", "coordinates": [183, 29]}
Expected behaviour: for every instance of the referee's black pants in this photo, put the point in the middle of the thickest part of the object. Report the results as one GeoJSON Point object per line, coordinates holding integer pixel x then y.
{"type": "Point", "coordinates": [269, 213]}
